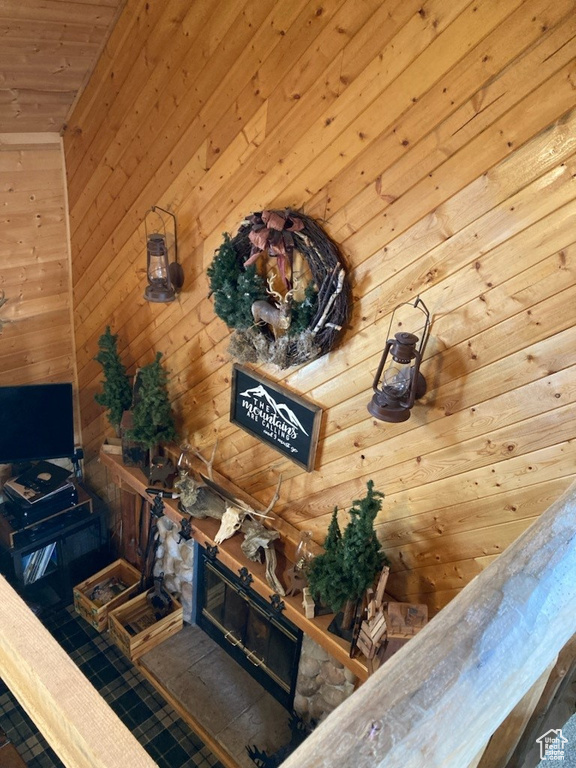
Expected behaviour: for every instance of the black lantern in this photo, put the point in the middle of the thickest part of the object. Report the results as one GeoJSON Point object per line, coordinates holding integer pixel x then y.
{"type": "Point", "coordinates": [164, 278]}
{"type": "Point", "coordinates": [398, 381]}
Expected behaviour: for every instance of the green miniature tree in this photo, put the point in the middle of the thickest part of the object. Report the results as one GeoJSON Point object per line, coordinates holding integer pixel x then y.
{"type": "Point", "coordinates": [351, 561]}
{"type": "Point", "coordinates": [362, 558]}
{"type": "Point", "coordinates": [324, 573]}
{"type": "Point", "coordinates": [235, 287]}
{"type": "Point", "coordinates": [153, 420]}
{"type": "Point", "coordinates": [116, 392]}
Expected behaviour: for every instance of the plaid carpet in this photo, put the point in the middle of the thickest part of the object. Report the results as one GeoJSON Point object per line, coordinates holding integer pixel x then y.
{"type": "Point", "coordinates": [162, 733]}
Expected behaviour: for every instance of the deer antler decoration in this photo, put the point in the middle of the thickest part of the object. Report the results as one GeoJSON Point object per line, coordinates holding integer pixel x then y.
{"type": "Point", "coordinates": [236, 513]}
{"type": "Point", "coordinates": [277, 317]}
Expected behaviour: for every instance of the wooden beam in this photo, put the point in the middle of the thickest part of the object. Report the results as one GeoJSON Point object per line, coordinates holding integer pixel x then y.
{"type": "Point", "coordinates": [471, 664]}
{"type": "Point", "coordinates": [72, 716]}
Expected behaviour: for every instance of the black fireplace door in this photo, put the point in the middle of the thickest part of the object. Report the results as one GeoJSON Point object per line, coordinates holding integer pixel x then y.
{"type": "Point", "coordinates": [266, 644]}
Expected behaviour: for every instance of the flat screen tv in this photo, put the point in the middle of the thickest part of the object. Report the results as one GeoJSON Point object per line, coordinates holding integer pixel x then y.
{"type": "Point", "coordinates": [36, 422]}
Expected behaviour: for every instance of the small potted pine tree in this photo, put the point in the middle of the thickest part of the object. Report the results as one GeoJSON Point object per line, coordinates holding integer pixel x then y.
{"type": "Point", "coordinates": [116, 394]}
{"type": "Point", "coordinates": [151, 421]}
{"type": "Point", "coordinates": [341, 575]}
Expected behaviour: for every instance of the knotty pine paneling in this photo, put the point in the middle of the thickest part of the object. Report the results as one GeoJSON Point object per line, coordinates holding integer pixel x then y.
{"type": "Point", "coordinates": [436, 142]}
{"type": "Point", "coordinates": [49, 47]}
{"type": "Point", "coordinates": [36, 345]}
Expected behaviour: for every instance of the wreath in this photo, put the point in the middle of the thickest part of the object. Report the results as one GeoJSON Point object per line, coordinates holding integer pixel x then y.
{"type": "Point", "coordinates": [271, 326]}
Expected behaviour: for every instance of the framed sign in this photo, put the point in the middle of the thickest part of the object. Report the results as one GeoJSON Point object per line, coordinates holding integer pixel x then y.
{"type": "Point", "coordinates": [275, 416]}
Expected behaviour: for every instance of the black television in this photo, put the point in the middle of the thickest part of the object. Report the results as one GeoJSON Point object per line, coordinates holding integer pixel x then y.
{"type": "Point", "coordinates": [36, 422]}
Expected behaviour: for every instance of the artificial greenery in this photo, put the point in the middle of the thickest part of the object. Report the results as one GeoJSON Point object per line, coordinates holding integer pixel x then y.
{"type": "Point", "coordinates": [303, 311]}
{"type": "Point", "coordinates": [116, 392]}
{"type": "Point", "coordinates": [234, 287]}
{"type": "Point", "coordinates": [350, 561]}
{"type": "Point", "coordinates": [325, 576]}
{"type": "Point", "coordinates": [362, 557]}
{"type": "Point", "coordinates": [153, 420]}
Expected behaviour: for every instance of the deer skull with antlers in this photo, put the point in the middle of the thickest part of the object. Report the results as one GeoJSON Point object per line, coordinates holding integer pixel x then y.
{"type": "Point", "coordinates": [237, 512]}
{"type": "Point", "coordinates": [277, 317]}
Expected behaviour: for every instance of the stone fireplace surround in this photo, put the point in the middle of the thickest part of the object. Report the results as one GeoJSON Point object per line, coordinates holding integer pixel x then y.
{"type": "Point", "coordinates": [326, 673]}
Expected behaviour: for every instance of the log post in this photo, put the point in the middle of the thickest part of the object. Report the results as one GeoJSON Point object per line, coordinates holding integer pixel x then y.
{"type": "Point", "coordinates": [439, 699]}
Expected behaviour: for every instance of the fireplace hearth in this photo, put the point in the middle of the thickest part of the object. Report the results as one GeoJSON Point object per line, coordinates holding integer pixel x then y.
{"type": "Point", "coordinates": [250, 630]}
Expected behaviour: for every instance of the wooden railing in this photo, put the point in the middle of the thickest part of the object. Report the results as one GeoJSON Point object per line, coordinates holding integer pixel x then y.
{"type": "Point", "coordinates": [475, 669]}
{"type": "Point", "coordinates": [73, 717]}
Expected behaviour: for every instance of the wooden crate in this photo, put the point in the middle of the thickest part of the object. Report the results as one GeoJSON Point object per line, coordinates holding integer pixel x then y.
{"type": "Point", "coordinates": [126, 621]}
{"type": "Point", "coordinates": [95, 612]}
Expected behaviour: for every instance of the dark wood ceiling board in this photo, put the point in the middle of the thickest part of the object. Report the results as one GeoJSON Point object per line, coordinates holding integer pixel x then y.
{"type": "Point", "coordinates": [48, 50]}
{"type": "Point", "coordinates": [100, 14]}
{"type": "Point", "coordinates": [49, 31]}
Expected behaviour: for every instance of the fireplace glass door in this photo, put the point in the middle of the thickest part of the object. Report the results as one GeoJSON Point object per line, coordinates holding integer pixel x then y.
{"type": "Point", "coordinates": [262, 641]}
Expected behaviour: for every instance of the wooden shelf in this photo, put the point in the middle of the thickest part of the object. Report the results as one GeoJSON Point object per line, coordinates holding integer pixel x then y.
{"type": "Point", "coordinates": [231, 555]}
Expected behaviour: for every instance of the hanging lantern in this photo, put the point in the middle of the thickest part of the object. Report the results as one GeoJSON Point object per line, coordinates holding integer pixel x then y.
{"type": "Point", "coordinates": [159, 286]}
{"type": "Point", "coordinates": [164, 278]}
{"type": "Point", "coordinates": [398, 382]}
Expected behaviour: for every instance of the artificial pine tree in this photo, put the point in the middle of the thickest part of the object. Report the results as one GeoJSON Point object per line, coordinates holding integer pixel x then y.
{"type": "Point", "coordinates": [153, 420]}
{"type": "Point", "coordinates": [235, 287]}
{"type": "Point", "coordinates": [116, 392]}
{"type": "Point", "coordinates": [362, 558]}
{"type": "Point", "coordinates": [325, 572]}
{"type": "Point", "coordinates": [351, 561]}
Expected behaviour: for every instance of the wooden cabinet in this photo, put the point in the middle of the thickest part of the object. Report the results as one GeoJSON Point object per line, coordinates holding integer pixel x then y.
{"type": "Point", "coordinates": [10, 758]}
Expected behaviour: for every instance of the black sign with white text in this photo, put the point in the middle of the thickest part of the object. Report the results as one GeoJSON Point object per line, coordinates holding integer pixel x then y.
{"type": "Point", "coordinates": [275, 416]}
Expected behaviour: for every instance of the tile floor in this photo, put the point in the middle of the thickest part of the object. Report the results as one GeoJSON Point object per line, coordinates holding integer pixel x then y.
{"type": "Point", "coordinates": [221, 695]}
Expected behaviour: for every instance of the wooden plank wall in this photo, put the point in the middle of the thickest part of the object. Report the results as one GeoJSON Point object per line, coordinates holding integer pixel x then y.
{"type": "Point", "coordinates": [49, 48]}
{"type": "Point", "coordinates": [436, 141]}
{"type": "Point", "coordinates": [36, 346]}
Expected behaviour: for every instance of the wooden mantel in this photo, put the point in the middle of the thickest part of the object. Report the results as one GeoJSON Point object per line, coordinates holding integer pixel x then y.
{"type": "Point", "coordinates": [231, 555]}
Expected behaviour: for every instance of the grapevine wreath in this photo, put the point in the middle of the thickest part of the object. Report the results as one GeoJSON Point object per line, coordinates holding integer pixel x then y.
{"type": "Point", "coordinates": [301, 330]}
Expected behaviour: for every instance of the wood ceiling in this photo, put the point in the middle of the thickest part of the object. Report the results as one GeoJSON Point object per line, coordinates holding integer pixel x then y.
{"type": "Point", "coordinates": [48, 50]}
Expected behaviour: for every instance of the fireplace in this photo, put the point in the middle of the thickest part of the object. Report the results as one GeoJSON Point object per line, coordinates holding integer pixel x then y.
{"type": "Point", "coordinates": [247, 627]}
